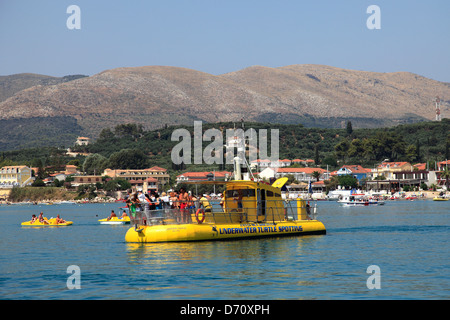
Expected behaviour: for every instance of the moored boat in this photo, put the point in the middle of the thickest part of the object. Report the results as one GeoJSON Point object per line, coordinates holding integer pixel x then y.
{"type": "Point", "coordinates": [359, 200]}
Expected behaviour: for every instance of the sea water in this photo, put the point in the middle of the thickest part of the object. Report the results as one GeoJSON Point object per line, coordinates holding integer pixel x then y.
{"type": "Point", "coordinates": [406, 240]}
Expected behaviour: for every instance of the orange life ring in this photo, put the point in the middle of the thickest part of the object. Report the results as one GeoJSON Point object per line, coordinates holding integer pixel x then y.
{"type": "Point", "coordinates": [200, 221]}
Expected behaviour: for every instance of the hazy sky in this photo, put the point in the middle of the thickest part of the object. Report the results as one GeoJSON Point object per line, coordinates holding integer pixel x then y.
{"type": "Point", "coordinates": [224, 36]}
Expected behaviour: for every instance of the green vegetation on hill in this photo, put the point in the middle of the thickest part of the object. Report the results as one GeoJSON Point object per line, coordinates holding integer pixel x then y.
{"type": "Point", "coordinates": [412, 142]}
{"type": "Point", "coordinates": [130, 146]}
{"type": "Point", "coordinates": [38, 132]}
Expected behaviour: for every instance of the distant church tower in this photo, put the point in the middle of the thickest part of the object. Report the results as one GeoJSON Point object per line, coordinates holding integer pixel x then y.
{"type": "Point", "coordinates": [438, 109]}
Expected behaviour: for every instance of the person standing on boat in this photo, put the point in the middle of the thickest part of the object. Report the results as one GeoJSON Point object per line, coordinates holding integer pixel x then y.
{"type": "Point", "coordinates": [157, 200]}
{"type": "Point", "coordinates": [164, 200]}
{"type": "Point", "coordinates": [308, 211]}
{"type": "Point", "coordinates": [173, 200]}
{"type": "Point", "coordinates": [204, 201]}
{"type": "Point", "coordinates": [183, 200]}
{"type": "Point", "coordinates": [141, 196]}
{"type": "Point", "coordinates": [146, 204]}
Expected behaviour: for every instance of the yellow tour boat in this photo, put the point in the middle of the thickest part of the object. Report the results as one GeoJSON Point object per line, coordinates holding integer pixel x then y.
{"type": "Point", "coordinates": [115, 220]}
{"type": "Point", "coordinates": [249, 209]}
{"type": "Point", "coordinates": [47, 223]}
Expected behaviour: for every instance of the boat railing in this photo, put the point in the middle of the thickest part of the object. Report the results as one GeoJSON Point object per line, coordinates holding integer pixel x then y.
{"type": "Point", "coordinates": [226, 211]}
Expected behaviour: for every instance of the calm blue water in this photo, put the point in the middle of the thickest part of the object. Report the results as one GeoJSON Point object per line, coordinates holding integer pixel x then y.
{"type": "Point", "coordinates": [408, 240]}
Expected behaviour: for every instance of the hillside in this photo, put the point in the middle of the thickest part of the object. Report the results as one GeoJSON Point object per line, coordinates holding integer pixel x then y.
{"type": "Point", "coordinates": [10, 85]}
{"type": "Point", "coordinates": [129, 143]}
{"type": "Point", "coordinates": [312, 95]}
{"type": "Point", "coordinates": [425, 141]}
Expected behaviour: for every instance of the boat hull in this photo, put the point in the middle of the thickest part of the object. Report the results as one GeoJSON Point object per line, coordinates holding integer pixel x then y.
{"type": "Point", "coordinates": [115, 221]}
{"type": "Point", "coordinates": [361, 204]}
{"type": "Point", "coordinates": [51, 223]}
{"type": "Point", "coordinates": [440, 199]}
{"type": "Point", "coordinates": [210, 232]}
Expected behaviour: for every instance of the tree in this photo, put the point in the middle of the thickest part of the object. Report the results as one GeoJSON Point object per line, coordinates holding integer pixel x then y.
{"type": "Point", "coordinates": [356, 148]}
{"type": "Point", "coordinates": [349, 128]}
{"type": "Point", "coordinates": [132, 130]}
{"type": "Point", "coordinates": [74, 162]}
{"type": "Point", "coordinates": [316, 155]}
{"type": "Point", "coordinates": [58, 183]}
{"type": "Point", "coordinates": [95, 164]}
{"type": "Point", "coordinates": [418, 156]}
{"type": "Point", "coordinates": [411, 153]}
{"type": "Point", "coordinates": [342, 149]}
{"type": "Point", "coordinates": [330, 160]}
{"type": "Point", "coordinates": [347, 181]}
{"type": "Point", "coordinates": [447, 148]}
{"type": "Point", "coordinates": [291, 179]}
{"type": "Point", "coordinates": [38, 183]}
{"type": "Point", "coordinates": [116, 184]}
{"type": "Point", "coordinates": [128, 159]}
{"type": "Point", "coordinates": [316, 174]}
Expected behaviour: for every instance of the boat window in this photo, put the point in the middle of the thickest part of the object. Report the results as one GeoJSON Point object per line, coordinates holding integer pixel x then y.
{"type": "Point", "coordinates": [242, 192]}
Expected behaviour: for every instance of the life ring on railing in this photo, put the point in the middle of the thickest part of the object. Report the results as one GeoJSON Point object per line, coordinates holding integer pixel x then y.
{"type": "Point", "coordinates": [202, 219]}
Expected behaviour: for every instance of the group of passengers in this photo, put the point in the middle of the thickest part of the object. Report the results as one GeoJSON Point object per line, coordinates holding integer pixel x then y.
{"type": "Point", "coordinates": [44, 220]}
{"type": "Point", "coordinates": [153, 205]}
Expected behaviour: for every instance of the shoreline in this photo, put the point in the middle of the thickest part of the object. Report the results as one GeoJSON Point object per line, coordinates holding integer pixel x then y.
{"type": "Point", "coordinates": [420, 195]}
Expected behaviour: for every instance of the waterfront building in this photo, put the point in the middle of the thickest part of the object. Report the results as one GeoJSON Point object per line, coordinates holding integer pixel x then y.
{"type": "Point", "coordinates": [442, 165]}
{"type": "Point", "coordinates": [154, 176]}
{"type": "Point", "coordinates": [204, 176]}
{"type": "Point", "coordinates": [11, 176]}
{"type": "Point", "coordinates": [387, 169]}
{"type": "Point", "coordinates": [300, 174]}
{"type": "Point", "coordinates": [89, 179]}
{"type": "Point", "coordinates": [261, 164]}
{"type": "Point", "coordinates": [356, 171]}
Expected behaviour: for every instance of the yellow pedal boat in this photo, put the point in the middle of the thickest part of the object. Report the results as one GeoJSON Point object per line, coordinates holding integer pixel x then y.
{"type": "Point", "coordinates": [440, 199]}
{"type": "Point", "coordinates": [115, 220]}
{"type": "Point", "coordinates": [50, 223]}
{"type": "Point", "coordinates": [248, 210]}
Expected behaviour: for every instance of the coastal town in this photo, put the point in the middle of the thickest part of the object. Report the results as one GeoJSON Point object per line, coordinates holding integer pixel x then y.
{"type": "Point", "coordinates": [388, 180]}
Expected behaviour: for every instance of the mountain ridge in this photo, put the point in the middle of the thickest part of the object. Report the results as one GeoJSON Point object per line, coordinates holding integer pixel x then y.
{"type": "Point", "coordinates": [159, 95]}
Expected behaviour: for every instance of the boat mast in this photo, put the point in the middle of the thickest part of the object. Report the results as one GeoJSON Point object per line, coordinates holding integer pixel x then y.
{"type": "Point", "coordinates": [237, 146]}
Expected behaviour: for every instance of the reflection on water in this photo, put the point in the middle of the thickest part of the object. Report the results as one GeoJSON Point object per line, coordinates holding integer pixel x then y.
{"type": "Point", "coordinates": [223, 269]}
